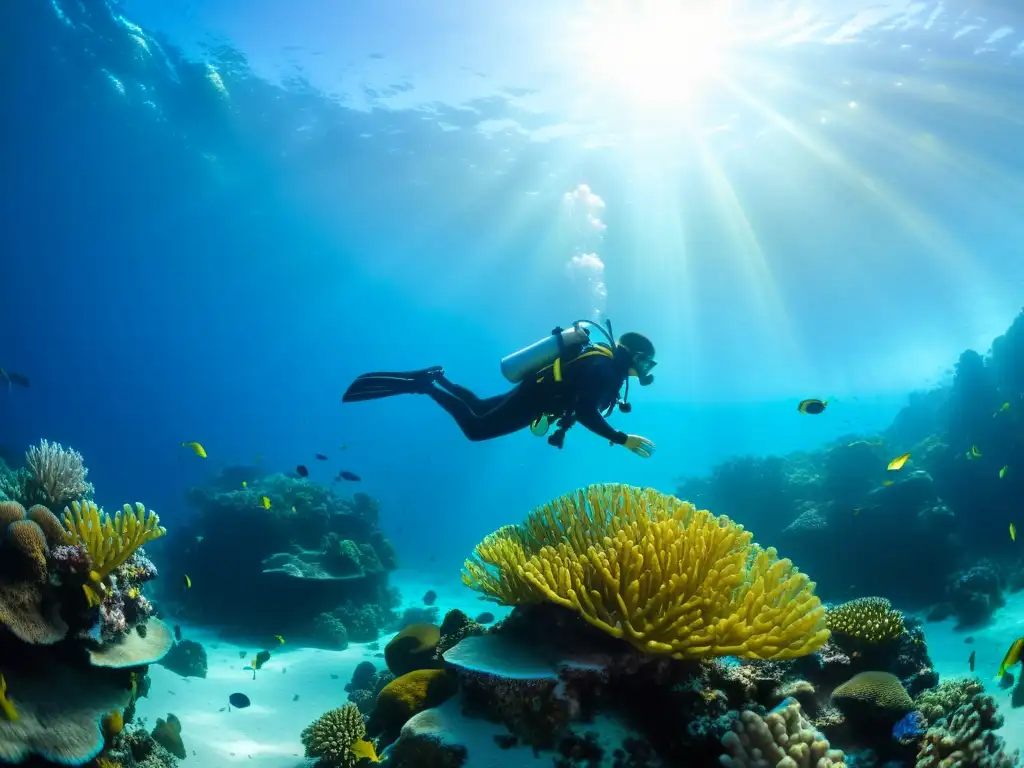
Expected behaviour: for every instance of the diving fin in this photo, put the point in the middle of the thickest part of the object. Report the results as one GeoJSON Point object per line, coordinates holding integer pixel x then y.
{"type": "Point", "coordinates": [380, 384]}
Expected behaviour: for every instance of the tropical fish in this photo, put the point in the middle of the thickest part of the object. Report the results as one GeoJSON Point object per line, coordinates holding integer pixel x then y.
{"type": "Point", "coordinates": [187, 582]}
{"type": "Point", "coordinates": [197, 449]}
{"type": "Point", "coordinates": [346, 475]}
{"type": "Point", "coordinates": [1002, 409]}
{"type": "Point", "coordinates": [970, 660]}
{"type": "Point", "coordinates": [974, 453]}
{"type": "Point", "coordinates": [7, 709]}
{"type": "Point", "coordinates": [265, 502]}
{"type": "Point", "coordinates": [177, 633]}
{"type": "Point", "coordinates": [887, 483]}
{"type": "Point", "coordinates": [294, 510]}
{"type": "Point", "coordinates": [812, 406]}
{"type": "Point", "coordinates": [239, 700]}
{"type": "Point", "coordinates": [1012, 657]}
{"type": "Point", "coordinates": [91, 598]}
{"type": "Point", "coordinates": [897, 463]}
{"type": "Point", "coordinates": [260, 659]}
{"type": "Point", "coordinates": [302, 470]}
{"type": "Point", "coordinates": [280, 639]}
{"type": "Point", "coordinates": [343, 446]}
{"type": "Point", "coordinates": [321, 457]}
{"type": "Point", "coordinates": [1003, 471]}
{"type": "Point", "coordinates": [199, 539]}
{"type": "Point", "coordinates": [1013, 532]}
{"type": "Point", "coordinates": [241, 654]}
{"type": "Point", "coordinates": [245, 483]}
{"type": "Point", "coordinates": [856, 512]}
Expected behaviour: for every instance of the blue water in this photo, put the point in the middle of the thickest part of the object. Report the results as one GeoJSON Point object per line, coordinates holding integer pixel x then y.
{"type": "Point", "coordinates": [216, 214]}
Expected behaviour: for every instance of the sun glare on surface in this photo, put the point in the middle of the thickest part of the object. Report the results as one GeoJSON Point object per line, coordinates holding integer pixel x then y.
{"type": "Point", "coordinates": [656, 54]}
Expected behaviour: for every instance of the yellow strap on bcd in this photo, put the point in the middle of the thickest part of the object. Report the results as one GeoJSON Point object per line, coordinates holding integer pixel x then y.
{"type": "Point", "coordinates": [556, 367]}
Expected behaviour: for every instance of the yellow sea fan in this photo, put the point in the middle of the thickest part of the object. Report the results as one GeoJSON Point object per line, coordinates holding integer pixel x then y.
{"type": "Point", "coordinates": [655, 571]}
{"type": "Point", "coordinates": [109, 542]}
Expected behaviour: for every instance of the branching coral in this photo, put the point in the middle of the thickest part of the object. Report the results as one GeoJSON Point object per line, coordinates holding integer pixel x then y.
{"type": "Point", "coordinates": [870, 619]}
{"type": "Point", "coordinates": [966, 738]}
{"type": "Point", "coordinates": [655, 571]}
{"type": "Point", "coordinates": [57, 472]}
{"type": "Point", "coordinates": [337, 738]}
{"type": "Point", "coordinates": [109, 542]}
{"type": "Point", "coordinates": [782, 738]}
{"type": "Point", "coordinates": [947, 697]}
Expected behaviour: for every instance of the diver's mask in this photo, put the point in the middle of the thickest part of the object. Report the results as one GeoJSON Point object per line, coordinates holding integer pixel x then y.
{"type": "Point", "coordinates": [643, 366]}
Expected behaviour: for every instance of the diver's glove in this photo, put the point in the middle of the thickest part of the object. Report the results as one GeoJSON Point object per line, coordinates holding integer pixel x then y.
{"type": "Point", "coordinates": [641, 446]}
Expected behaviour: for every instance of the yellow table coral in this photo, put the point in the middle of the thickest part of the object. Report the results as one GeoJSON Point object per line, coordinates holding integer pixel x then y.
{"type": "Point", "coordinates": [655, 571]}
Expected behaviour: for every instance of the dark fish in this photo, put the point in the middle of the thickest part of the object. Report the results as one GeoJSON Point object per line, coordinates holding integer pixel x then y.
{"type": "Point", "coordinates": [346, 475]}
{"type": "Point", "coordinates": [239, 700]}
{"type": "Point", "coordinates": [177, 633]}
{"type": "Point", "coordinates": [187, 582]}
{"type": "Point", "coordinates": [970, 660]}
{"type": "Point", "coordinates": [812, 407]}
{"type": "Point", "coordinates": [14, 378]}
{"type": "Point", "coordinates": [969, 639]}
{"type": "Point", "coordinates": [430, 597]}
{"type": "Point", "coordinates": [302, 471]}
{"type": "Point", "coordinates": [262, 658]}
{"type": "Point", "coordinates": [295, 697]}
{"type": "Point", "coordinates": [1006, 681]}
{"type": "Point", "coordinates": [242, 654]}
{"type": "Point", "coordinates": [321, 457]}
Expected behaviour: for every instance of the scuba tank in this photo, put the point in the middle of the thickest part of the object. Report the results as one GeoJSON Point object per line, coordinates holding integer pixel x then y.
{"type": "Point", "coordinates": [529, 360]}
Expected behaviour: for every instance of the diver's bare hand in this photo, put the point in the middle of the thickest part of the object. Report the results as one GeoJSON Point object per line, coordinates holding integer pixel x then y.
{"type": "Point", "coordinates": [641, 446]}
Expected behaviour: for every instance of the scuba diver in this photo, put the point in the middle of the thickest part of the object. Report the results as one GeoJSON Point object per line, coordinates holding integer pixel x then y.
{"type": "Point", "coordinates": [562, 379]}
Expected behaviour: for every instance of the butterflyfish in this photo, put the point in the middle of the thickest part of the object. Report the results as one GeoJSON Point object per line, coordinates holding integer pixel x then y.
{"type": "Point", "coordinates": [812, 407]}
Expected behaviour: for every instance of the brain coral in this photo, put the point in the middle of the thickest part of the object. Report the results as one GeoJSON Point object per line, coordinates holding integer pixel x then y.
{"type": "Point", "coordinates": [28, 539]}
{"type": "Point", "coordinates": [871, 619]}
{"type": "Point", "coordinates": [873, 695]}
{"type": "Point", "coordinates": [656, 572]}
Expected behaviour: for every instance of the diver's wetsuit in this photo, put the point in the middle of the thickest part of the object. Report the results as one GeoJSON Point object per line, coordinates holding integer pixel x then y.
{"type": "Point", "coordinates": [589, 386]}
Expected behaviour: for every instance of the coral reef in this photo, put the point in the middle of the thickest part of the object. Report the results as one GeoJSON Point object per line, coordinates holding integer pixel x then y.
{"type": "Point", "coordinates": [76, 632]}
{"type": "Point", "coordinates": [784, 737]}
{"type": "Point", "coordinates": [52, 475]}
{"type": "Point", "coordinates": [867, 619]}
{"type": "Point", "coordinates": [966, 738]}
{"type": "Point", "coordinates": [975, 594]}
{"type": "Point", "coordinates": [655, 571]}
{"type": "Point", "coordinates": [337, 739]}
{"type": "Point", "coordinates": [309, 562]}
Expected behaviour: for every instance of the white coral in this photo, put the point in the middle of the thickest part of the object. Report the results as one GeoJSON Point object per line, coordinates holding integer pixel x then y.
{"type": "Point", "coordinates": [59, 472]}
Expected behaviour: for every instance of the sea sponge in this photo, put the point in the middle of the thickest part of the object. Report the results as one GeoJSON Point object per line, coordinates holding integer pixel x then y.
{"type": "Point", "coordinates": [411, 649]}
{"type": "Point", "coordinates": [870, 619]}
{"type": "Point", "coordinates": [145, 644]}
{"type": "Point", "coordinates": [167, 733]}
{"type": "Point", "coordinates": [655, 571]}
{"type": "Point", "coordinates": [873, 696]}
{"type": "Point", "coordinates": [408, 695]}
{"type": "Point", "coordinates": [332, 735]}
{"type": "Point", "coordinates": [783, 738]}
{"type": "Point", "coordinates": [109, 542]}
{"type": "Point", "coordinates": [60, 711]}
{"type": "Point", "coordinates": [10, 511]}
{"type": "Point", "coordinates": [49, 522]}
{"type": "Point", "coordinates": [113, 723]}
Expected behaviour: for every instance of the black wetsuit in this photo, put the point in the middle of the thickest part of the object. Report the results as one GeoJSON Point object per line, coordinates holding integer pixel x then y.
{"type": "Point", "coordinates": [590, 385]}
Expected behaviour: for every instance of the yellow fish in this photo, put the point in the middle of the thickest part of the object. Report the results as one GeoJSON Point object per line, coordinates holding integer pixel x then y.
{"type": "Point", "coordinates": [856, 512]}
{"type": "Point", "coordinates": [279, 639]}
{"type": "Point", "coordinates": [1013, 532]}
{"type": "Point", "coordinates": [1012, 657]}
{"type": "Point", "coordinates": [7, 709]}
{"type": "Point", "coordinates": [1003, 471]}
{"type": "Point", "coordinates": [294, 510]}
{"type": "Point", "coordinates": [974, 453]}
{"type": "Point", "coordinates": [197, 449]}
{"type": "Point", "coordinates": [91, 598]}
{"type": "Point", "coordinates": [265, 502]}
{"type": "Point", "coordinates": [897, 463]}
{"type": "Point", "coordinates": [187, 581]}
{"type": "Point", "coordinates": [1002, 409]}
{"type": "Point", "coordinates": [887, 483]}
{"type": "Point", "coordinates": [245, 483]}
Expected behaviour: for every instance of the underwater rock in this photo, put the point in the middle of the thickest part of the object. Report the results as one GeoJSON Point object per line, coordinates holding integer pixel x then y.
{"type": "Point", "coordinates": [167, 733]}
{"type": "Point", "coordinates": [975, 594]}
{"type": "Point", "coordinates": [413, 648]}
{"type": "Point", "coordinates": [406, 696]}
{"type": "Point", "coordinates": [186, 658]}
{"type": "Point", "coordinates": [429, 740]}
